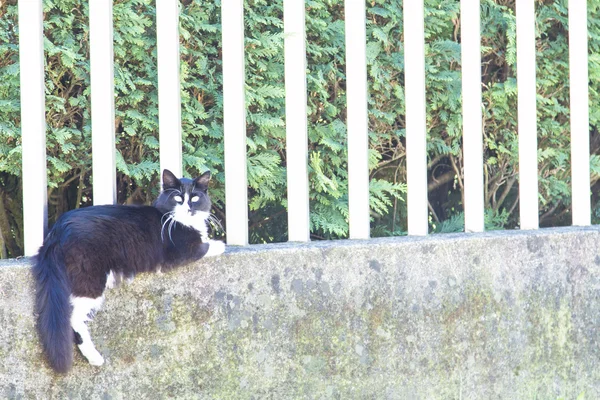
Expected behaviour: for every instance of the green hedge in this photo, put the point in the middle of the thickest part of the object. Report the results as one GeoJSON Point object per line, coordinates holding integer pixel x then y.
{"type": "Point", "coordinates": [68, 116]}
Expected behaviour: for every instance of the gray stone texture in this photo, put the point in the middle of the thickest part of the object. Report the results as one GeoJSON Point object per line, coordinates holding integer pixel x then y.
{"type": "Point", "coordinates": [499, 315]}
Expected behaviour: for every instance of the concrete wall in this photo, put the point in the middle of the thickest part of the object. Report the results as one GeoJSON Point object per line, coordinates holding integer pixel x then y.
{"type": "Point", "coordinates": [497, 315]}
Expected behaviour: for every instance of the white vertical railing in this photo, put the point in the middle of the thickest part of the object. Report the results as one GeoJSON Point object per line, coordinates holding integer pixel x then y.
{"type": "Point", "coordinates": [527, 119]}
{"type": "Point", "coordinates": [295, 120]}
{"type": "Point", "coordinates": [169, 94]}
{"type": "Point", "coordinates": [416, 145]}
{"type": "Point", "coordinates": [472, 116]}
{"type": "Point", "coordinates": [234, 122]}
{"type": "Point", "coordinates": [103, 128]}
{"type": "Point", "coordinates": [103, 102]}
{"type": "Point", "coordinates": [580, 129]}
{"type": "Point", "coordinates": [33, 123]}
{"type": "Point", "coordinates": [357, 119]}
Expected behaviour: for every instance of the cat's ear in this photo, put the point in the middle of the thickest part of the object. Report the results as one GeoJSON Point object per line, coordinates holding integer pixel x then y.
{"type": "Point", "coordinates": [203, 179]}
{"type": "Point", "coordinates": [170, 180]}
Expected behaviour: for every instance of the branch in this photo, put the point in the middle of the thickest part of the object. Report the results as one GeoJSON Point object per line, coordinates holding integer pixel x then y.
{"type": "Point", "coordinates": [262, 221]}
{"type": "Point", "coordinates": [514, 205]}
{"type": "Point", "coordinates": [507, 189]}
{"type": "Point", "coordinates": [550, 211]}
{"type": "Point", "coordinates": [433, 212]}
{"type": "Point", "coordinates": [441, 180]}
{"type": "Point", "coordinates": [460, 182]}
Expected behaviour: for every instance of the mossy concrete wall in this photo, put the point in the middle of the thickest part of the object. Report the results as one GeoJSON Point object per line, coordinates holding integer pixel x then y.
{"type": "Point", "coordinates": [511, 315]}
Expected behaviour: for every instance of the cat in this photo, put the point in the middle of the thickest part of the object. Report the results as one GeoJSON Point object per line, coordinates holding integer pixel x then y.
{"type": "Point", "coordinates": [91, 249]}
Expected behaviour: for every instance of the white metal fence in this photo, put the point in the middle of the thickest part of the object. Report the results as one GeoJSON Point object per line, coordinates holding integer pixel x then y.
{"type": "Point", "coordinates": [103, 131]}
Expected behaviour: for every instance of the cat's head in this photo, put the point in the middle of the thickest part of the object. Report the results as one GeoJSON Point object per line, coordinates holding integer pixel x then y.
{"type": "Point", "coordinates": [186, 200]}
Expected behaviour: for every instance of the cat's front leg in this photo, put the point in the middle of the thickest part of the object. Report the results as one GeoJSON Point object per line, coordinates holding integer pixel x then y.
{"type": "Point", "coordinates": [215, 248]}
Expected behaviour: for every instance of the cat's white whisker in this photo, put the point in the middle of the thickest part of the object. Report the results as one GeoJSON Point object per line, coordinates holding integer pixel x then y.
{"type": "Point", "coordinates": [215, 222]}
{"type": "Point", "coordinates": [171, 228]}
{"type": "Point", "coordinates": [169, 217]}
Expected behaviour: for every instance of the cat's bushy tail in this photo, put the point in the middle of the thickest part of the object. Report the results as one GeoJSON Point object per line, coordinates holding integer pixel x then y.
{"type": "Point", "coordinates": [53, 306]}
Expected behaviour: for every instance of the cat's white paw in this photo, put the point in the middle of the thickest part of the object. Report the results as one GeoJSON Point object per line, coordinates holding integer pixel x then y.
{"type": "Point", "coordinates": [215, 248]}
{"type": "Point", "coordinates": [94, 358]}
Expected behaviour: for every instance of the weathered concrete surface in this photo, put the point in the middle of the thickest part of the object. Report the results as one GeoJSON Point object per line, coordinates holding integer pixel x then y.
{"type": "Point", "coordinates": [507, 315]}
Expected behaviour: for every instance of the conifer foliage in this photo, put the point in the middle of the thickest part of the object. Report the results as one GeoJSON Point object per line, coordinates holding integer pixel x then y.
{"type": "Point", "coordinates": [136, 125]}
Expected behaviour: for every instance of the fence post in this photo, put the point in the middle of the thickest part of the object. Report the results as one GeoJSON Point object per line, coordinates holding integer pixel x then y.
{"type": "Point", "coordinates": [33, 124]}
{"type": "Point", "coordinates": [169, 92]}
{"type": "Point", "coordinates": [470, 37]}
{"type": "Point", "coordinates": [234, 122]}
{"type": "Point", "coordinates": [103, 102]}
{"type": "Point", "coordinates": [416, 143]}
{"type": "Point", "coordinates": [527, 118]}
{"type": "Point", "coordinates": [295, 120]}
{"type": "Point", "coordinates": [357, 120]}
{"type": "Point", "coordinates": [580, 125]}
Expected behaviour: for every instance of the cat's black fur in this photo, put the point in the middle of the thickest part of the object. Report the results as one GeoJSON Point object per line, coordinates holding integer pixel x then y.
{"type": "Point", "coordinates": [86, 244]}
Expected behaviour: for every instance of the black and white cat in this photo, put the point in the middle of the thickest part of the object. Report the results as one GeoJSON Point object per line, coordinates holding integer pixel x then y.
{"type": "Point", "coordinates": [90, 249]}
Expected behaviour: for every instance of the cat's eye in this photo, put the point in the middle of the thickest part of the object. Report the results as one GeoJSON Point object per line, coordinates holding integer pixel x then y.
{"type": "Point", "coordinates": [178, 199]}
{"type": "Point", "coordinates": [195, 199]}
